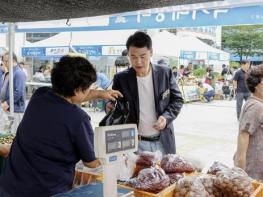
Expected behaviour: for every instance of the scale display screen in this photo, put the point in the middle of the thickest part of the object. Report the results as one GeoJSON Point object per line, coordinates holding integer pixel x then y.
{"type": "Point", "coordinates": [119, 140]}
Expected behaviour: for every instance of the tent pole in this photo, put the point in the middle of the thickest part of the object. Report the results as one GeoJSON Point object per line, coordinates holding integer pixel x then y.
{"type": "Point", "coordinates": [11, 32]}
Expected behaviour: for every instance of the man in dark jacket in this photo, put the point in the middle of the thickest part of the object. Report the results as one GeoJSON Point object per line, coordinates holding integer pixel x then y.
{"type": "Point", "coordinates": [153, 96]}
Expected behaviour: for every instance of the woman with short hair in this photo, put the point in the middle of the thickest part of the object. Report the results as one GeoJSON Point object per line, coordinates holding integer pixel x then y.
{"type": "Point", "coordinates": [54, 133]}
{"type": "Point", "coordinates": [249, 155]}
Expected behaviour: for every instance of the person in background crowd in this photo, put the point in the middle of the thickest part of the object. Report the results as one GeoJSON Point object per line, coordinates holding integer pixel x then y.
{"type": "Point", "coordinates": [47, 73]}
{"type": "Point", "coordinates": [122, 63]}
{"type": "Point", "coordinates": [188, 70]}
{"type": "Point", "coordinates": [161, 62]}
{"type": "Point", "coordinates": [225, 70]}
{"type": "Point", "coordinates": [210, 78]}
{"type": "Point", "coordinates": [23, 67]}
{"type": "Point", "coordinates": [249, 154]}
{"type": "Point", "coordinates": [240, 87]}
{"type": "Point", "coordinates": [102, 82]}
{"type": "Point", "coordinates": [154, 84]}
{"type": "Point", "coordinates": [54, 134]}
{"type": "Point", "coordinates": [175, 72]}
{"type": "Point", "coordinates": [226, 73]}
{"type": "Point", "coordinates": [181, 70]}
{"type": "Point", "coordinates": [39, 75]}
{"type": "Point", "coordinates": [19, 85]}
{"type": "Point", "coordinates": [208, 91]}
{"type": "Point", "coordinates": [124, 53]}
{"type": "Point", "coordinates": [2, 74]}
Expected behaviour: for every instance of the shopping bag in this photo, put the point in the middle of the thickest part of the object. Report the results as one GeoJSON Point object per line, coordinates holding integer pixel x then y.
{"type": "Point", "coordinates": [118, 115]}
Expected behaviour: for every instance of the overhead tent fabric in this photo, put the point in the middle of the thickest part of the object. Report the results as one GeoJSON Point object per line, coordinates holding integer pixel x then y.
{"type": "Point", "coordinates": [39, 10]}
{"type": "Point", "coordinates": [116, 37]}
{"type": "Point", "coordinates": [168, 44]}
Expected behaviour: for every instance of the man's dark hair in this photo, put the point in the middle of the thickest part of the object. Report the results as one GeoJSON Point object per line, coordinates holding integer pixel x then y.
{"type": "Point", "coordinates": [223, 65]}
{"type": "Point", "coordinates": [14, 56]}
{"type": "Point", "coordinates": [139, 39]}
{"type": "Point", "coordinates": [70, 74]}
{"type": "Point", "coordinates": [255, 76]}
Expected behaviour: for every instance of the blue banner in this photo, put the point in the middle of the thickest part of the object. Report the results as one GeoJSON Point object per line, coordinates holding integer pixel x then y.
{"type": "Point", "coordinates": [213, 56]}
{"type": "Point", "coordinates": [188, 55]}
{"type": "Point", "coordinates": [89, 50]}
{"type": "Point", "coordinates": [33, 51]}
{"type": "Point", "coordinates": [255, 58]}
{"type": "Point", "coordinates": [193, 18]}
{"type": "Point", "coordinates": [60, 51]}
{"type": "Point", "coordinates": [3, 28]}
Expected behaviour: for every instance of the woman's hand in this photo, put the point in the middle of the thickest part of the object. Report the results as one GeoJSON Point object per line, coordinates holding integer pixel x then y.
{"type": "Point", "coordinates": [92, 164]}
{"type": "Point", "coordinates": [110, 95]}
{"type": "Point", "coordinates": [103, 94]}
{"type": "Point", "coordinates": [5, 149]}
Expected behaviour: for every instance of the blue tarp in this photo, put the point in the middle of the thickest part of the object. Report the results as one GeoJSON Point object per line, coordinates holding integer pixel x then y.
{"type": "Point", "coordinates": [193, 18]}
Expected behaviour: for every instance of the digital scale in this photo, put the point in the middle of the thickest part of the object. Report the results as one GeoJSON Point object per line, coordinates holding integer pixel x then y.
{"type": "Point", "coordinates": [110, 143]}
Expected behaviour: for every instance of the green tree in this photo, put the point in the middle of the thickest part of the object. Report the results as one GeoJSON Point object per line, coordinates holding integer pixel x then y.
{"type": "Point", "coordinates": [243, 41]}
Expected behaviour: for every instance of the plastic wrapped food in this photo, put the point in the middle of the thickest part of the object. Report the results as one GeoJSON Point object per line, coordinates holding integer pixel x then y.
{"type": "Point", "coordinates": [217, 166]}
{"type": "Point", "coordinates": [208, 182]}
{"type": "Point", "coordinates": [151, 179]}
{"type": "Point", "coordinates": [78, 174]}
{"type": "Point", "coordinates": [146, 159]}
{"type": "Point", "coordinates": [190, 187]}
{"type": "Point", "coordinates": [126, 166]}
{"type": "Point", "coordinates": [174, 177]}
{"type": "Point", "coordinates": [234, 181]}
{"type": "Point", "coordinates": [172, 163]}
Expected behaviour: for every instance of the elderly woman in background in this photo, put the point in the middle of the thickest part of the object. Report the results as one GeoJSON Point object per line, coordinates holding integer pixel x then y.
{"type": "Point", "coordinates": [249, 155]}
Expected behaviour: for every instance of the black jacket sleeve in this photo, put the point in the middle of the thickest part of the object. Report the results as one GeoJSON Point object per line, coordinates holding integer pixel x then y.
{"type": "Point", "coordinates": [176, 101]}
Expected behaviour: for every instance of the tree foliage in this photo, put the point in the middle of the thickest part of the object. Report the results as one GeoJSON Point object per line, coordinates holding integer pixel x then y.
{"type": "Point", "coordinates": [243, 41]}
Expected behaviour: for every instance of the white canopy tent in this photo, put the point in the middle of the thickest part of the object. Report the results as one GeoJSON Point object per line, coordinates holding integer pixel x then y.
{"type": "Point", "coordinates": [168, 44]}
{"type": "Point", "coordinates": [114, 37]}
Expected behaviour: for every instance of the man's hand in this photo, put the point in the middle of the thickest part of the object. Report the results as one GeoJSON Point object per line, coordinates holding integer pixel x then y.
{"type": "Point", "coordinates": [160, 124]}
{"type": "Point", "coordinates": [111, 95]}
{"type": "Point", "coordinates": [5, 106]}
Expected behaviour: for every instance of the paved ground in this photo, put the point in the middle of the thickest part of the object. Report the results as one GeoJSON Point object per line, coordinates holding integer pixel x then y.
{"type": "Point", "coordinates": [204, 131]}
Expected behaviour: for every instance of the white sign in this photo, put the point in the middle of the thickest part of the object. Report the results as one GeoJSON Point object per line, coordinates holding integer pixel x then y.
{"type": "Point", "coordinates": [59, 51]}
{"type": "Point", "coordinates": [201, 56]}
{"type": "Point", "coordinates": [112, 50]}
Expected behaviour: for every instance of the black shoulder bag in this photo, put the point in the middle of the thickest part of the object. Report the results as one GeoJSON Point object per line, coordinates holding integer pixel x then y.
{"type": "Point", "coordinates": [118, 115]}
